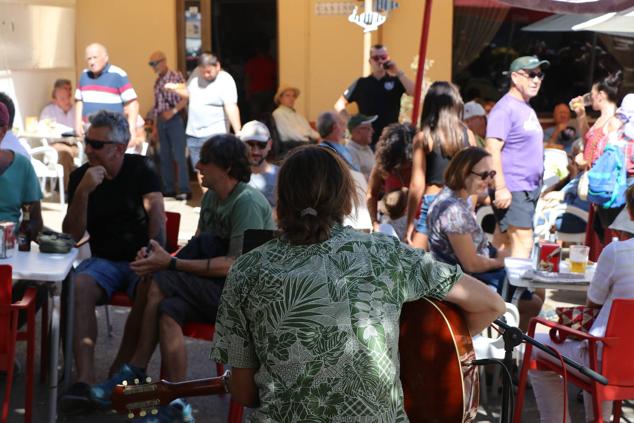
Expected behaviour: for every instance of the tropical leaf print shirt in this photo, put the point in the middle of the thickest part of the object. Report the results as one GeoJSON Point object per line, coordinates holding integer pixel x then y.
{"type": "Point", "coordinates": [320, 322]}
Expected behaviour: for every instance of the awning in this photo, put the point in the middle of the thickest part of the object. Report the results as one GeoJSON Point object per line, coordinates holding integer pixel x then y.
{"type": "Point", "coordinates": [573, 6]}
{"type": "Point", "coordinates": [621, 23]}
{"type": "Point", "coordinates": [558, 23]}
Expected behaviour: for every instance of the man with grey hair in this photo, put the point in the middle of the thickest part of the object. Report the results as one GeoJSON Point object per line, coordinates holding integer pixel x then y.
{"type": "Point", "coordinates": [213, 103]}
{"type": "Point", "coordinates": [331, 128]}
{"type": "Point", "coordinates": [116, 198]}
{"type": "Point", "coordinates": [104, 87]}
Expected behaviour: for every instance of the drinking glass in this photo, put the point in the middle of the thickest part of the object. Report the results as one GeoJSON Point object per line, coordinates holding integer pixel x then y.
{"type": "Point", "coordinates": [579, 258]}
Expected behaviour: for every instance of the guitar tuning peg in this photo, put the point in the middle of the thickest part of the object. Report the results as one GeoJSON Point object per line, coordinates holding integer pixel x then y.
{"type": "Point", "coordinates": [148, 379]}
{"type": "Point", "coordinates": [143, 413]}
{"type": "Point", "coordinates": [130, 416]}
{"type": "Point", "coordinates": [124, 383]}
{"type": "Point", "coordinates": [136, 381]}
{"type": "Point", "coordinates": [154, 411]}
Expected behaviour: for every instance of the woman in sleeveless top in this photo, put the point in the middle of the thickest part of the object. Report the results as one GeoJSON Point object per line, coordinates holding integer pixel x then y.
{"type": "Point", "coordinates": [604, 99]}
{"type": "Point", "coordinates": [392, 168]}
{"type": "Point", "coordinates": [442, 135]}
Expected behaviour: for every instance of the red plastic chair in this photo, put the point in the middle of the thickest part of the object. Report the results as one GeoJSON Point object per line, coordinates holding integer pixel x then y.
{"type": "Point", "coordinates": [9, 335]}
{"type": "Point", "coordinates": [615, 365]}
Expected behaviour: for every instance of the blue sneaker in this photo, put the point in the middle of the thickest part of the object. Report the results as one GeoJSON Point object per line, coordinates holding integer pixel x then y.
{"type": "Point", "coordinates": [101, 392]}
{"type": "Point", "coordinates": [178, 411]}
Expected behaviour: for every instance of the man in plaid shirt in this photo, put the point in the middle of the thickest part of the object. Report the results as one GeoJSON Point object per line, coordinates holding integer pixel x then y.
{"type": "Point", "coordinates": [170, 127]}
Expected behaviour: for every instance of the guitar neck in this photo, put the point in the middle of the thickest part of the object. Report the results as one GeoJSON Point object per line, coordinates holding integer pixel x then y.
{"type": "Point", "coordinates": [195, 388]}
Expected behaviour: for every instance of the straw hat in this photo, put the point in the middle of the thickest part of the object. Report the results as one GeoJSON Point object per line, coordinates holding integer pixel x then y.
{"type": "Point", "coordinates": [282, 90]}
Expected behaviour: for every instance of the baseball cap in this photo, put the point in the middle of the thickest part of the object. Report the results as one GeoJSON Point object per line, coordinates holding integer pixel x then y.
{"type": "Point", "coordinates": [254, 131]}
{"type": "Point", "coordinates": [527, 62]}
{"type": "Point", "coordinates": [472, 109]}
{"type": "Point", "coordinates": [360, 119]}
{"type": "Point", "coordinates": [4, 115]}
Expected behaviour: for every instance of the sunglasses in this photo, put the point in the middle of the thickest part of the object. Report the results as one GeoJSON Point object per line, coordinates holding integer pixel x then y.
{"type": "Point", "coordinates": [377, 58]}
{"type": "Point", "coordinates": [486, 174]}
{"type": "Point", "coordinates": [153, 63]}
{"type": "Point", "coordinates": [533, 75]}
{"type": "Point", "coordinates": [97, 145]}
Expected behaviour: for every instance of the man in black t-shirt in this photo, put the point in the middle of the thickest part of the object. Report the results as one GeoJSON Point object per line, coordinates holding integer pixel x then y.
{"type": "Point", "coordinates": [116, 198]}
{"type": "Point", "coordinates": [379, 93]}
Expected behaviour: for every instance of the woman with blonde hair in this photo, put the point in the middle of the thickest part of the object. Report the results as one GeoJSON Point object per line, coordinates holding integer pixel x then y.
{"type": "Point", "coordinates": [442, 135]}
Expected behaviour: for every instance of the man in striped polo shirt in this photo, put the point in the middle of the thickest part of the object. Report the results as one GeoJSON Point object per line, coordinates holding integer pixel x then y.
{"type": "Point", "coordinates": [104, 87]}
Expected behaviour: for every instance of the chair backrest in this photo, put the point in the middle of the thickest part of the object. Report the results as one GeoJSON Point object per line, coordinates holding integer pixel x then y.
{"type": "Point", "coordinates": [616, 364]}
{"type": "Point", "coordinates": [6, 286]}
{"type": "Point", "coordinates": [172, 226]}
{"type": "Point", "coordinates": [253, 238]}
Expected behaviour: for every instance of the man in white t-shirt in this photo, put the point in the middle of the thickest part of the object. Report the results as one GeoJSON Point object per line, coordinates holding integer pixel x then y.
{"type": "Point", "coordinates": [361, 131]}
{"type": "Point", "coordinates": [213, 103]}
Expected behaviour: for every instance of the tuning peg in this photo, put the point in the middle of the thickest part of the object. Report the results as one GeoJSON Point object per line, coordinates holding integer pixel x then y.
{"type": "Point", "coordinates": [143, 413]}
{"type": "Point", "coordinates": [148, 379]}
{"type": "Point", "coordinates": [136, 381]}
{"type": "Point", "coordinates": [154, 411]}
{"type": "Point", "coordinates": [130, 416]}
{"type": "Point", "coordinates": [124, 383]}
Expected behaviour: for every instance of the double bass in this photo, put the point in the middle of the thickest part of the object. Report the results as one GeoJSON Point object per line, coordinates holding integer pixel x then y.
{"type": "Point", "coordinates": [440, 384]}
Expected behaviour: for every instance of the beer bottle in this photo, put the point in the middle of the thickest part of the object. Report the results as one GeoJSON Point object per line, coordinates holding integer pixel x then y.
{"type": "Point", "coordinates": [24, 232]}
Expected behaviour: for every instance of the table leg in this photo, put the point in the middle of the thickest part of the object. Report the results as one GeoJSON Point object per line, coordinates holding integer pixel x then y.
{"type": "Point", "coordinates": [68, 330]}
{"type": "Point", "coordinates": [54, 356]}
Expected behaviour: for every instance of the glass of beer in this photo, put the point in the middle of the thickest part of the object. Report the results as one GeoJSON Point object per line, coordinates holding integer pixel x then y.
{"type": "Point", "coordinates": [584, 100]}
{"type": "Point", "coordinates": [579, 258]}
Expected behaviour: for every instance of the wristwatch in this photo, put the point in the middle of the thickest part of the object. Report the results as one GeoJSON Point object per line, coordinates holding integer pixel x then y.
{"type": "Point", "coordinates": [172, 264]}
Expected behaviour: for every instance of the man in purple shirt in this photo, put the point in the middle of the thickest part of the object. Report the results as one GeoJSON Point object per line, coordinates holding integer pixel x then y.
{"type": "Point", "coordinates": [515, 140]}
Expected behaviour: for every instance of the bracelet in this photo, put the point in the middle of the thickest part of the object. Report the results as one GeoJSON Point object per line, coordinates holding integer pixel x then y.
{"type": "Point", "coordinates": [172, 264]}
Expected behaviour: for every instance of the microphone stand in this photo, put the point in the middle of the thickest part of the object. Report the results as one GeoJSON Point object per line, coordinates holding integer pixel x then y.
{"type": "Point", "coordinates": [514, 336]}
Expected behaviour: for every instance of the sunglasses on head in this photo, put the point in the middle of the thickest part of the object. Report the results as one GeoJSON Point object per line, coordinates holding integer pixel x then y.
{"type": "Point", "coordinates": [97, 145]}
{"type": "Point", "coordinates": [486, 174]}
{"type": "Point", "coordinates": [155, 62]}
{"type": "Point", "coordinates": [377, 58]}
{"type": "Point", "coordinates": [533, 74]}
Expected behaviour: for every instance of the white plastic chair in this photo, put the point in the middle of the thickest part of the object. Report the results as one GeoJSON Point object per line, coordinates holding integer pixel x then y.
{"type": "Point", "coordinates": [486, 347]}
{"type": "Point", "coordinates": [44, 160]}
{"type": "Point", "coordinates": [576, 238]}
{"type": "Point", "coordinates": [555, 166]}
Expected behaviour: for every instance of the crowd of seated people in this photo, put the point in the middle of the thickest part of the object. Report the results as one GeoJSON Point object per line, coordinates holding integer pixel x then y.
{"type": "Point", "coordinates": [421, 186]}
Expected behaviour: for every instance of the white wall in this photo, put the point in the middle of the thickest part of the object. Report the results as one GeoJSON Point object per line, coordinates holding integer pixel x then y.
{"type": "Point", "coordinates": [37, 46]}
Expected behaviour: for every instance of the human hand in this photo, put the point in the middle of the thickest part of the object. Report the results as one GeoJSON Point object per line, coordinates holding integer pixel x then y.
{"type": "Point", "coordinates": [581, 161]}
{"type": "Point", "coordinates": [174, 86]}
{"type": "Point", "coordinates": [93, 177]}
{"type": "Point", "coordinates": [79, 129]}
{"type": "Point", "coordinates": [158, 259]}
{"type": "Point", "coordinates": [577, 106]}
{"type": "Point", "coordinates": [409, 233]}
{"type": "Point", "coordinates": [502, 198]}
{"type": "Point", "coordinates": [375, 226]}
{"type": "Point", "coordinates": [167, 114]}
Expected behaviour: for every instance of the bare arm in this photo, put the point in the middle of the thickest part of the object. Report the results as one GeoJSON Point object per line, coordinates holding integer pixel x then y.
{"type": "Point", "coordinates": [502, 194]}
{"type": "Point", "coordinates": [480, 305]}
{"type": "Point", "coordinates": [159, 259]}
{"type": "Point", "coordinates": [79, 122]}
{"type": "Point", "coordinates": [75, 219]}
{"type": "Point", "coordinates": [131, 110]}
{"type": "Point", "coordinates": [242, 386]}
{"type": "Point", "coordinates": [153, 205]}
{"type": "Point", "coordinates": [340, 105]}
{"type": "Point", "coordinates": [469, 259]}
{"type": "Point", "coordinates": [417, 183]}
{"type": "Point", "coordinates": [233, 113]}
{"type": "Point", "coordinates": [36, 223]}
{"type": "Point", "coordinates": [372, 197]}
{"type": "Point", "coordinates": [409, 85]}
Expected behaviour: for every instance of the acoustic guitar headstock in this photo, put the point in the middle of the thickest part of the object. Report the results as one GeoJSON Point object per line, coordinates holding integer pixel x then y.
{"type": "Point", "coordinates": [137, 399]}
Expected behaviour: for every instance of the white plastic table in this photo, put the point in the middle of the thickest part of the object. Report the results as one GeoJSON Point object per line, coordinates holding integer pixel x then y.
{"type": "Point", "coordinates": [516, 267]}
{"type": "Point", "coordinates": [52, 269]}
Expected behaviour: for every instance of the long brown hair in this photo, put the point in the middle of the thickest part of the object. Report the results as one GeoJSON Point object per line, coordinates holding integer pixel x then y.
{"type": "Point", "coordinates": [461, 166]}
{"type": "Point", "coordinates": [314, 192]}
{"type": "Point", "coordinates": [441, 118]}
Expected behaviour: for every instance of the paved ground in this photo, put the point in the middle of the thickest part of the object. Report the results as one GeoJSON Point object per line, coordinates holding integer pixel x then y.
{"type": "Point", "coordinates": [214, 409]}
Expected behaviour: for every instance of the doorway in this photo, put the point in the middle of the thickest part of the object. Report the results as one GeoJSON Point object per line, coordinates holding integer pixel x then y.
{"type": "Point", "coordinates": [244, 36]}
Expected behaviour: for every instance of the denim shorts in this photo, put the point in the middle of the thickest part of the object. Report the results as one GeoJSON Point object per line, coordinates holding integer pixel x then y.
{"type": "Point", "coordinates": [194, 144]}
{"type": "Point", "coordinates": [421, 223]}
{"type": "Point", "coordinates": [110, 275]}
